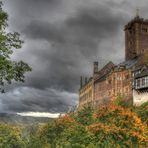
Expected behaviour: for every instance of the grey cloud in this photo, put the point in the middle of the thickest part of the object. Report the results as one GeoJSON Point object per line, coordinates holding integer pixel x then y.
{"type": "Point", "coordinates": [71, 42]}
{"type": "Point", "coordinates": [87, 23]}
{"type": "Point", "coordinates": [44, 30]}
{"type": "Point", "coordinates": [33, 6]}
{"type": "Point", "coordinates": [62, 39]}
{"type": "Point", "coordinates": [28, 99]}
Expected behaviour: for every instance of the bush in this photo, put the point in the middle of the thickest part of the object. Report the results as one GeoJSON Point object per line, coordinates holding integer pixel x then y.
{"type": "Point", "coordinates": [123, 102]}
{"type": "Point", "coordinates": [142, 112]}
{"type": "Point", "coordinates": [84, 116]}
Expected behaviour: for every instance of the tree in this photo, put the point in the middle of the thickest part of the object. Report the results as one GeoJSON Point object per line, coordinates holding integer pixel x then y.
{"type": "Point", "coordinates": [119, 127]}
{"type": "Point", "coordinates": [9, 70]}
{"type": "Point", "coordinates": [108, 126]}
{"type": "Point", "coordinates": [142, 112]}
{"type": "Point", "coordinates": [10, 137]}
{"type": "Point", "coordinates": [84, 116]}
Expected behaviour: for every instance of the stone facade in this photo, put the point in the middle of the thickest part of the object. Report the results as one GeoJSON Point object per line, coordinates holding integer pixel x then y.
{"type": "Point", "coordinates": [86, 93]}
{"type": "Point", "coordinates": [117, 80]}
{"type": "Point", "coordinates": [101, 86]}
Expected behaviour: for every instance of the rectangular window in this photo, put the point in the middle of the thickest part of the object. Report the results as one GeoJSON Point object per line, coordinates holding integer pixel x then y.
{"type": "Point", "coordinates": [127, 77]}
{"type": "Point", "coordinates": [143, 82]}
{"type": "Point", "coordinates": [146, 81]}
{"type": "Point", "coordinates": [138, 83]}
{"type": "Point", "coordinates": [145, 30]}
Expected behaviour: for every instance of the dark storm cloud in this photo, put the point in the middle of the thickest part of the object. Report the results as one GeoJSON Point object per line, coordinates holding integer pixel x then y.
{"type": "Point", "coordinates": [71, 41]}
{"type": "Point", "coordinates": [32, 6]}
{"type": "Point", "coordinates": [44, 30]}
{"type": "Point", "coordinates": [25, 99]}
{"type": "Point", "coordinates": [62, 39]}
{"type": "Point", "coordinates": [86, 25]}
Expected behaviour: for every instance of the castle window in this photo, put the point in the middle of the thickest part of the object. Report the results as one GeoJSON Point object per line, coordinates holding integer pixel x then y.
{"type": "Point", "coordinates": [144, 30]}
{"type": "Point", "coordinates": [138, 83]}
{"type": "Point", "coordinates": [143, 81]}
{"type": "Point", "coordinates": [109, 81]}
{"type": "Point", "coordinates": [127, 77]}
{"type": "Point", "coordinates": [142, 50]}
{"type": "Point", "coordinates": [146, 81]}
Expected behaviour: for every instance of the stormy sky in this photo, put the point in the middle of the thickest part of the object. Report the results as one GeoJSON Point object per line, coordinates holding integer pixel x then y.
{"type": "Point", "coordinates": [62, 39]}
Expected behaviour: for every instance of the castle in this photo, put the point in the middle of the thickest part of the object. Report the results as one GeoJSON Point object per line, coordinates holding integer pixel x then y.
{"type": "Point", "coordinates": [128, 79]}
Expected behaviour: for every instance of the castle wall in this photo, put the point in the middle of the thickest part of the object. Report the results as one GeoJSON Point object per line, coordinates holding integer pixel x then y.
{"type": "Point", "coordinates": [101, 93]}
{"type": "Point", "coordinates": [143, 44]}
{"type": "Point", "coordinates": [139, 97]}
{"type": "Point", "coordinates": [117, 83]}
{"type": "Point", "coordinates": [122, 80]}
{"type": "Point", "coordinates": [86, 94]}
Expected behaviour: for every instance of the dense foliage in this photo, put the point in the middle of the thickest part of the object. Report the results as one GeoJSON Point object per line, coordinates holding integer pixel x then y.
{"type": "Point", "coordinates": [110, 126]}
{"type": "Point", "coordinates": [9, 70]}
{"type": "Point", "coordinates": [142, 112]}
{"type": "Point", "coordinates": [10, 137]}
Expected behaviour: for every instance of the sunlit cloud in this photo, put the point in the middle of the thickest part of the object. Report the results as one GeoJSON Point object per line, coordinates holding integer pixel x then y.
{"type": "Point", "coordinates": [40, 114]}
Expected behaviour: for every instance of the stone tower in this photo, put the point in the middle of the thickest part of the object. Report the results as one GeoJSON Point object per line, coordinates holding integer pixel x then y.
{"type": "Point", "coordinates": [136, 37]}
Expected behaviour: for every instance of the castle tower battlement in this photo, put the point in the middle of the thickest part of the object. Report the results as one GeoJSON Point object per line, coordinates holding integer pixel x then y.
{"type": "Point", "coordinates": [136, 37]}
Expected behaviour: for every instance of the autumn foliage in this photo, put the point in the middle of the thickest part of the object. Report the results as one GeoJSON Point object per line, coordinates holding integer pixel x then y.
{"type": "Point", "coordinates": [119, 126]}
{"type": "Point", "coordinates": [110, 126]}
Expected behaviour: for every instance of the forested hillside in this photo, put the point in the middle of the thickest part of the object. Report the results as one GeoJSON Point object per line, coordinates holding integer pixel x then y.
{"type": "Point", "coordinates": [110, 126]}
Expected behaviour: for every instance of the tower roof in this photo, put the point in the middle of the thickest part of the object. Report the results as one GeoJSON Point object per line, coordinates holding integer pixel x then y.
{"type": "Point", "coordinates": [136, 19]}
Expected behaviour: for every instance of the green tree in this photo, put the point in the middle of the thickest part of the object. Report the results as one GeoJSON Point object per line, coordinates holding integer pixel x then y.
{"type": "Point", "coordinates": [122, 101]}
{"type": "Point", "coordinates": [10, 137]}
{"type": "Point", "coordinates": [108, 126]}
{"type": "Point", "coordinates": [84, 116]}
{"type": "Point", "coordinates": [9, 70]}
{"type": "Point", "coordinates": [142, 111]}
{"type": "Point", "coordinates": [119, 127]}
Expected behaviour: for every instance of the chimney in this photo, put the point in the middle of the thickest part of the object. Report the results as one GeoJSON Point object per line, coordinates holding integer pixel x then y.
{"type": "Point", "coordinates": [81, 82]}
{"type": "Point", "coordinates": [85, 80]}
{"type": "Point", "coordinates": [95, 68]}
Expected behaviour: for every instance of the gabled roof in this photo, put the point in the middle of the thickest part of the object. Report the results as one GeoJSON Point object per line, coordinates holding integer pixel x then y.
{"type": "Point", "coordinates": [127, 64]}
{"type": "Point", "coordinates": [143, 73]}
{"type": "Point", "coordinates": [102, 74]}
{"type": "Point", "coordinates": [140, 67]}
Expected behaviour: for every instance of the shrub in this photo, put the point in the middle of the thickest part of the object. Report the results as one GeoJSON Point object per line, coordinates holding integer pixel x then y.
{"type": "Point", "coordinates": [84, 116]}
{"type": "Point", "coordinates": [123, 101]}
